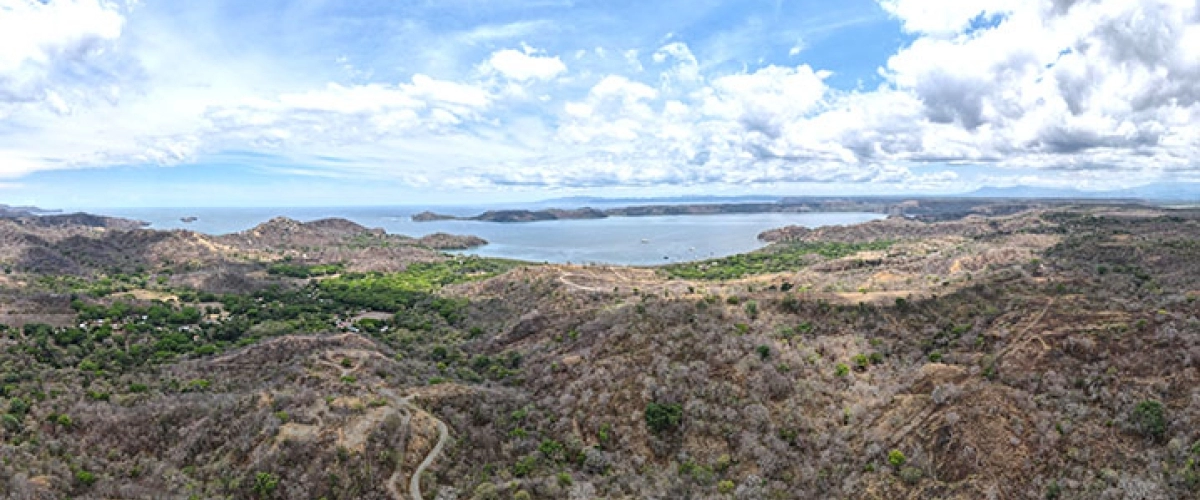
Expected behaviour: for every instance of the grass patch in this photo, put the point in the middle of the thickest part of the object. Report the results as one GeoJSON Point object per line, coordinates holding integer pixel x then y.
{"type": "Point", "coordinates": [392, 291]}
{"type": "Point", "coordinates": [774, 259]}
{"type": "Point", "coordinates": [304, 271]}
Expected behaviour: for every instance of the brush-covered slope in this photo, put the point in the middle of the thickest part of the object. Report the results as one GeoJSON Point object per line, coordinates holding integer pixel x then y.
{"type": "Point", "coordinates": [1041, 354]}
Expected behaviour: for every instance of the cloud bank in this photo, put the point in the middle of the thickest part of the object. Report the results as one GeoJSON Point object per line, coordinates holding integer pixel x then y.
{"type": "Point", "coordinates": [1107, 87]}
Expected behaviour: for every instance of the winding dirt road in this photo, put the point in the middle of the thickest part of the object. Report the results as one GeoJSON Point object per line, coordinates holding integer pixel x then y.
{"type": "Point", "coordinates": [406, 409]}
{"type": "Point", "coordinates": [340, 348]}
{"type": "Point", "coordinates": [414, 482]}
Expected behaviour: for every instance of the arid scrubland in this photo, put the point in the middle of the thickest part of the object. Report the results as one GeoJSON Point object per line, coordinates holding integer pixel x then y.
{"type": "Point", "coordinates": [1049, 353]}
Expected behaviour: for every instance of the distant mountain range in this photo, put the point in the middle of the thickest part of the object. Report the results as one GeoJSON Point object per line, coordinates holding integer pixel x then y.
{"type": "Point", "coordinates": [1162, 191]}
{"type": "Point", "coordinates": [582, 201]}
{"type": "Point", "coordinates": [18, 211]}
{"type": "Point", "coordinates": [1183, 191]}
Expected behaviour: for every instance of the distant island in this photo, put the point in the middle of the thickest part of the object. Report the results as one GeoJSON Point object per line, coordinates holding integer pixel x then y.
{"type": "Point", "coordinates": [20, 211]}
{"type": "Point", "coordinates": [443, 241]}
{"type": "Point", "coordinates": [519, 215]}
{"type": "Point", "coordinates": [920, 208]}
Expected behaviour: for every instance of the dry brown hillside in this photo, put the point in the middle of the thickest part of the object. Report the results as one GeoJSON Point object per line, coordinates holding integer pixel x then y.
{"type": "Point", "coordinates": [1038, 354]}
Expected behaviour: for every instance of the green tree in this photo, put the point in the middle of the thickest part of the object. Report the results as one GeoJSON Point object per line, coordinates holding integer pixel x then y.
{"type": "Point", "coordinates": [524, 466]}
{"type": "Point", "coordinates": [841, 370]}
{"type": "Point", "coordinates": [861, 361]}
{"type": "Point", "coordinates": [550, 448]}
{"type": "Point", "coordinates": [265, 484]}
{"type": "Point", "coordinates": [85, 478]}
{"type": "Point", "coordinates": [663, 417]}
{"type": "Point", "coordinates": [10, 422]}
{"type": "Point", "coordinates": [764, 352]}
{"type": "Point", "coordinates": [18, 407]}
{"type": "Point", "coordinates": [605, 433]}
{"type": "Point", "coordinates": [1150, 418]}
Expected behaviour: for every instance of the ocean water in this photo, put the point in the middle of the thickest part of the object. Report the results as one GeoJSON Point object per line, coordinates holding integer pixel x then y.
{"type": "Point", "coordinates": [615, 240]}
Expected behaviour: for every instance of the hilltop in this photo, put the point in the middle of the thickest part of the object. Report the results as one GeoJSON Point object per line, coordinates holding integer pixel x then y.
{"type": "Point", "coordinates": [1011, 351]}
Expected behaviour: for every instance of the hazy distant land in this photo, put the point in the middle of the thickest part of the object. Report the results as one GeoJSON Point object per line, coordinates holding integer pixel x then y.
{"type": "Point", "coordinates": [925, 208]}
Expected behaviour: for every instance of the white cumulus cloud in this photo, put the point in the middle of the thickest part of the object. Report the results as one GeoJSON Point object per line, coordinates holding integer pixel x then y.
{"type": "Point", "coordinates": [1066, 84]}
{"type": "Point", "coordinates": [45, 47]}
{"type": "Point", "coordinates": [344, 115]}
{"type": "Point", "coordinates": [524, 65]}
{"type": "Point", "coordinates": [1106, 87]}
{"type": "Point", "coordinates": [944, 17]}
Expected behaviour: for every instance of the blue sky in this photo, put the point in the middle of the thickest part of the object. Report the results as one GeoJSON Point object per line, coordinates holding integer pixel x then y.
{"type": "Point", "coordinates": [270, 103]}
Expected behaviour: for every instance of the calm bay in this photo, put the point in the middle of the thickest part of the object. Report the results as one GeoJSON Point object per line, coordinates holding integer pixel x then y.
{"type": "Point", "coordinates": [614, 240]}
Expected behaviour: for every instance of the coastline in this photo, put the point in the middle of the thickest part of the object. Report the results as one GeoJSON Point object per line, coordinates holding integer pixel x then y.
{"type": "Point", "coordinates": [612, 240]}
{"type": "Point", "coordinates": [930, 209]}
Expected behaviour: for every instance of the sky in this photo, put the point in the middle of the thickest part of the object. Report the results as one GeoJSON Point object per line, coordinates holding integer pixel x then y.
{"type": "Point", "coordinates": [124, 103]}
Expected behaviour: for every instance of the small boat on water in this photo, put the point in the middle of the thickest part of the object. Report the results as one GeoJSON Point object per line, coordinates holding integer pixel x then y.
{"type": "Point", "coordinates": [189, 219]}
{"type": "Point", "coordinates": [645, 241]}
